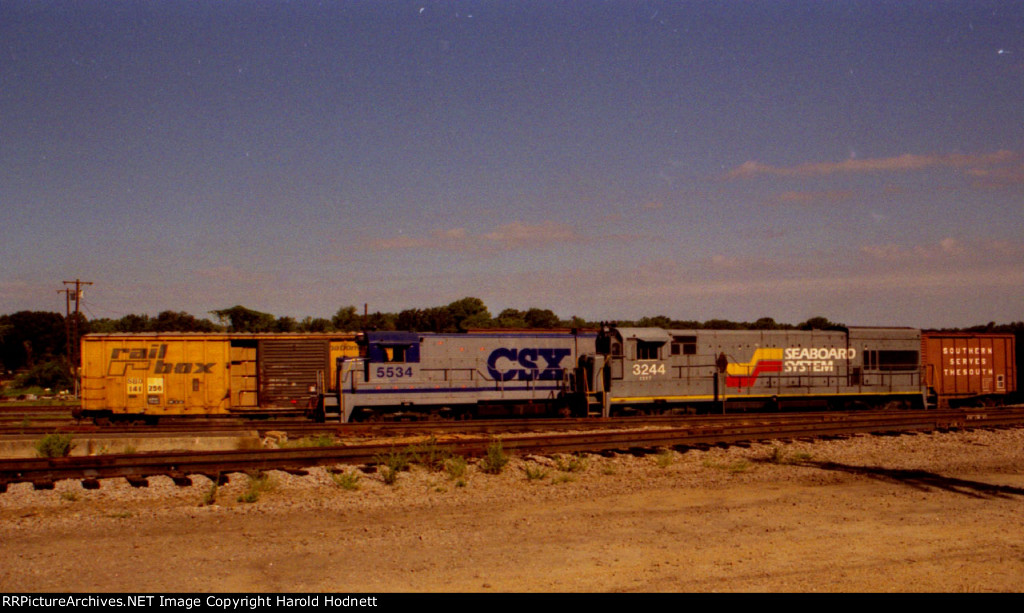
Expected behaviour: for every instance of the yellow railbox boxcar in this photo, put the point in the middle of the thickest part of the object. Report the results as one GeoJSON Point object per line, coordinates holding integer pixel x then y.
{"type": "Point", "coordinates": [206, 374]}
{"type": "Point", "coordinates": [157, 374]}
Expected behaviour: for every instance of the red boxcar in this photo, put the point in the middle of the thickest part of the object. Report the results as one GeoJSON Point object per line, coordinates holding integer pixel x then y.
{"type": "Point", "coordinates": [964, 368]}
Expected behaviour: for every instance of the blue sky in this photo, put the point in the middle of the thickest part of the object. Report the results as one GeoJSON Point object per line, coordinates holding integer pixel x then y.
{"type": "Point", "coordinates": [858, 160]}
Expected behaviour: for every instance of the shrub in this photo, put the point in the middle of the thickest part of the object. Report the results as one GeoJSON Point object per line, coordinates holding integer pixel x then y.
{"type": "Point", "coordinates": [54, 446]}
{"type": "Point", "coordinates": [53, 375]}
{"type": "Point", "coordinates": [456, 467]}
{"type": "Point", "coordinates": [664, 458]}
{"type": "Point", "coordinates": [495, 460]}
{"type": "Point", "coordinates": [575, 464]}
{"type": "Point", "coordinates": [431, 455]}
{"type": "Point", "coordinates": [259, 482]}
{"type": "Point", "coordinates": [346, 481]}
{"type": "Point", "coordinates": [392, 463]}
{"type": "Point", "coordinates": [535, 473]}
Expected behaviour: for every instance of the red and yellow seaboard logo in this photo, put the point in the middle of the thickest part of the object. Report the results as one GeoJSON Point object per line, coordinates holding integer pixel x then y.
{"type": "Point", "coordinates": [745, 374]}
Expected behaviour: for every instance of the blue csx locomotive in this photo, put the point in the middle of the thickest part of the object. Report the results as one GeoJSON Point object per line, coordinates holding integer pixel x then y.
{"type": "Point", "coordinates": [622, 371]}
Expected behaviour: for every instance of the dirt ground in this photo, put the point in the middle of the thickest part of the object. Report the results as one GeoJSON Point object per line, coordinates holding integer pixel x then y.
{"type": "Point", "coordinates": [931, 512]}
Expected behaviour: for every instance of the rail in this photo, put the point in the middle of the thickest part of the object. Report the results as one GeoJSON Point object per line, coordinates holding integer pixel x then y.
{"type": "Point", "coordinates": [43, 472]}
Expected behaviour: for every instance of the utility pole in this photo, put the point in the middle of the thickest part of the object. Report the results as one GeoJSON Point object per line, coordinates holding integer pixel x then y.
{"type": "Point", "coordinates": [71, 325]}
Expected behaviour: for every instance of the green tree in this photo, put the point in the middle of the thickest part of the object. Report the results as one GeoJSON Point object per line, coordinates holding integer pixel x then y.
{"type": "Point", "coordinates": [53, 374]}
{"type": "Point", "coordinates": [286, 324]}
{"type": "Point", "coordinates": [658, 321]}
{"type": "Point", "coordinates": [347, 319]}
{"type": "Point", "coordinates": [819, 323]}
{"type": "Point", "coordinates": [469, 313]}
{"type": "Point", "coordinates": [240, 319]}
{"type": "Point", "coordinates": [319, 324]}
{"type": "Point", "coordinates": [414, 320]}
{"type": "Point", "coordinates": [510, 318]}
{"type": "Point", "coordinates": [32, 337]}
{"type": "Point", "coordinates": [173, 321]}
{"type": "Point", "coordinates": [541, 318]}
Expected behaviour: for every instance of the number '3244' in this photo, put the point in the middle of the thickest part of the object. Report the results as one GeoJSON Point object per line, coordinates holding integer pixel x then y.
{"type": "Point", "coordinates": [646, 370]}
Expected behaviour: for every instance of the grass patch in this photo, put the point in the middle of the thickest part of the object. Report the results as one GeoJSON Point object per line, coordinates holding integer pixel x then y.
{"type": "Point", "coordinates": [259, 482]}
{"type": "Point", "coordinates": [664, 458]}
{"type": "Point", "coordinates": [576, 463]}
{"type": "Point", "coordinates": [535, 473]}
{"type": "Point", "coordinates": [323, 440]}
{"type": "Point", "coordinates": [346, 480]}
{"type": "Point", "coordinates": [778, 455]}
{"type": "Point", "coordinates": [495, 459]}
{"type": "Point", "coordinates": [431, 455]}
{"type": "Point", "coordinates": [69, 496]}
{"type": "Point", "coordinates": [54, 446]}
{"type": "Point", "coordinates": [392, 463]}
{"type": "Point", "coordinates": [210, 497]}
{"type": "Point", "coordinates": [563, 478]}
{"type": "Point", "coordinates": [456, 467]}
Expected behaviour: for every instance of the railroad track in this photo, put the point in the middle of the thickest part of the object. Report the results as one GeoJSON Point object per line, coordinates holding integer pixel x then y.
{"type": "Point", "coordinates": [300, 428]}
{"type": "Point", "coordinates": [180, 466]}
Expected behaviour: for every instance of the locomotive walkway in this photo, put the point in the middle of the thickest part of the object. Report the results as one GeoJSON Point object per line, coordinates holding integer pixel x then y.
{"type": "Point", "coordinates": [628, 435]}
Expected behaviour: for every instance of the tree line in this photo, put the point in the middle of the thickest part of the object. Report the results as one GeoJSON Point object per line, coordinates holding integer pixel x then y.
{"type": "Point", "coordinates": [34, 344]}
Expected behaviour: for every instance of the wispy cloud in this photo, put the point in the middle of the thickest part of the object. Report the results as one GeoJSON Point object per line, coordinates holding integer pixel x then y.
{"type": "Point", "coordinates": [974, 164]}
{"type": "Point", "coordinates": [1012, 174]}
{"type": "Point", "coordinates": [947, 249]}
{"type": "Point", "coordinates": [811, 197]}
{"type": "Point", "coordinates": [506, 237]}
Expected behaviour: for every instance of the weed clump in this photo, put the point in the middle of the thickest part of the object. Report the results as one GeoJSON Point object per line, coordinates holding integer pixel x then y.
{"type": "Point", "coordinates": [323, 440]}
{"type": "Point", "coordinates": [456, 468]}
{"type": "Point", "coordinates": [210, 497]}
{"type": "Point", "coordinates": [495, 459]}
{"type": "Point", "coordinates": [535, 473]}
{"type": "Point", "coordinates": [259, 482]}
{"type": "Point", "coordinates": [346, 480]}
{"type": "Point", "coordinates": [575, 464]}
{"type": "Point", "coordinates": [431, 455]}
{"type": "Point", "coordinates": [392, 463]}
{"type": "Point", "coordinates": [664, 458]}
{"type": "Point", "coordinates": [778, 455]}
{"type": "Point", "coordinates": [54, 446]}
